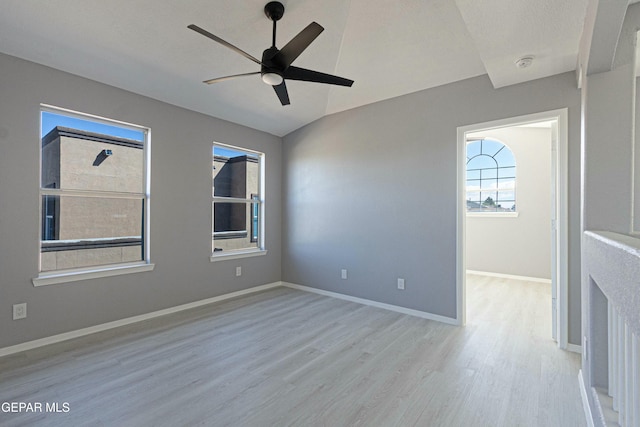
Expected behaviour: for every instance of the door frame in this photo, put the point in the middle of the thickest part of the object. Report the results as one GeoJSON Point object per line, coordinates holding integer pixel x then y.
{"type": "Point", "coordinates": [560, 182]}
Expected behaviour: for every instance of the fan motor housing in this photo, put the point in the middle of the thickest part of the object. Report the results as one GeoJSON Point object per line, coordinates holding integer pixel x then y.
{"type": "Point", "coordinates": [274, 10]}
{"type": "Point", "coordinates": [268, 65]}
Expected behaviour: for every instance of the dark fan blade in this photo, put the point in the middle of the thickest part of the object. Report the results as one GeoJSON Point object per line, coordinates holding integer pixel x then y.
{"type": "Point", "coordinates": [281, 91]}
{"type": "Point", "coordinates": [223, 42]}
{"type": "Point", "coordinates": [295, 73]}
{"type": "Point", "coordinates": [221, 79]}
{"type": "Point", "coordinates": [297, 45]}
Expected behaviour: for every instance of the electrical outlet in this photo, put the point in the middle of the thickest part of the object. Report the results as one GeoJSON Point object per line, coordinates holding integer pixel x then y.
{"type": "Point", "coordinates": [344, 274]}
{"type": "Point", "coordinates": [238, 271]}
{"type": "Point", "coordinates": [19, 311]}
{"type": "Point", "coordinates": [401, 284]}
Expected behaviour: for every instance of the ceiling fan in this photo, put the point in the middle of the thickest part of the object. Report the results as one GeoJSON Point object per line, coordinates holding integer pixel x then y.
{"type": "Point", "coordinates": [275, 66]}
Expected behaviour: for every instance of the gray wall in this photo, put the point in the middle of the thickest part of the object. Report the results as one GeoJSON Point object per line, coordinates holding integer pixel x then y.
{"type": "Point", "coordinates": [180, 207]}
{"type": "Point", "coordinates": [636, 159]}
{"type": "Point", "coordinates": [608, 150]}
{"type": "Point", "coordinates": [608, 105]}
{"type": "Point", "coordinates": [608, 139]}
{"type": "Point", "coordinates": [358, 185]}
{"type": "Point", "coordinates": [373, 190]}
{"type": "Point", "coordinates": [518, 246]}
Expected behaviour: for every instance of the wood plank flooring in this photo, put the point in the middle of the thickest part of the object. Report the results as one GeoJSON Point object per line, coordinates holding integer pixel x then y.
{"type": "Point", "coordinates": [290, 358]}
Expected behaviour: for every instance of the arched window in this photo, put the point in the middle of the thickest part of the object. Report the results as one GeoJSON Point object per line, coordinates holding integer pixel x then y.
{"type": "Point", "coordinates": [491, 177]}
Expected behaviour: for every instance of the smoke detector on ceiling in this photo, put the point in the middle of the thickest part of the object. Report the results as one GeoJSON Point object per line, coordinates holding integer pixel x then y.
{"type": "Point", "coordinates": [524, 62]}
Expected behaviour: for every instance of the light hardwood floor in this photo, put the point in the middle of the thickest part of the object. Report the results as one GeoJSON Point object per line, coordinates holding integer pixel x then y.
{"type": "Point", "coordinates": [286, 357]}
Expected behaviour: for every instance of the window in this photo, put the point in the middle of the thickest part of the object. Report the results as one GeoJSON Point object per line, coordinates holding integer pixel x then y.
{"type": "Point", "coordinates": [237, 201]}
{"type": "Point", "coordinates": [94, 193]}
{"type": "Point", "coordinates": [491, 177]}
{"type": "Point", "coordinates": [255, 215]}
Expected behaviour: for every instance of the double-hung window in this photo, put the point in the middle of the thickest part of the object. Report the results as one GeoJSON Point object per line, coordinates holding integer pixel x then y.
{"type": "Point", "coordinates": [238, 202]}
{"type": "Point", "coordinates": [94, 192]}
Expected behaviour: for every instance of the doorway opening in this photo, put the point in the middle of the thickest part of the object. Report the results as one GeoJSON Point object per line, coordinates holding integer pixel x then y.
{"type": "Point", "coordinates": [494, 159]}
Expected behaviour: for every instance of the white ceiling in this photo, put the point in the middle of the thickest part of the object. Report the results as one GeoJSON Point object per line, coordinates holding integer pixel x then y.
{"type": "Point", "coordinates": [390, 48]}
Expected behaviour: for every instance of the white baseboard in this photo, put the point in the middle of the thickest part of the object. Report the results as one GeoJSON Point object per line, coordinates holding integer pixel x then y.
{"type": "Point", "coordinates": [403, 310]}
{"type": "Point", "coordinates": [129, 320]}
{"type": "Point", "coordinates": [585, 400]}
{"type": "Point", "coordinates": [509, 276]}
{"type": "Point", "coordinates": [574, 348]}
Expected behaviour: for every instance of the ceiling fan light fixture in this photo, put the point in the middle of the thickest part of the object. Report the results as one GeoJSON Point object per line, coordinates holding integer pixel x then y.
{"type": "Point", "coordinates": [273, 79]}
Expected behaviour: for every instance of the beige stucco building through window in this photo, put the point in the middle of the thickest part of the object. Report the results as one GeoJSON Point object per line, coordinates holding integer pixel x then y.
{"type": "Point", "coordinates": [235, 224]}
{"type": "Point", "coordinates": [88, 226]}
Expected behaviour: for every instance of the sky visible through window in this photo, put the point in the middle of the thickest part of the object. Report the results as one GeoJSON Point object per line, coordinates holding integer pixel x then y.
{"type": "Point", "coordinates": [490, 176]}
{"type": "Point", "coordinates": [227, 152]}
{"type": "Point", "coordinates": [490, 149]}
{"type": "Point", "coordinates": [51, 120]}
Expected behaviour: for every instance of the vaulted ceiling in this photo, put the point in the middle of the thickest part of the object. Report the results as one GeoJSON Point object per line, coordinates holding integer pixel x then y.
{"type": "Point", "coordinates": [390, 48]}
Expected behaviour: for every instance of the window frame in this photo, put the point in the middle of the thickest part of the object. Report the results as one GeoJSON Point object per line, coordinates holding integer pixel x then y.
{"type": "Point", "coordinates": [255, 199]}
{"type": "Point", "coordinates": [104, 270]}
{"type": "Point", "coordinates": [255, 218]}
{"type": "Point", "coordinates": [489, 214]}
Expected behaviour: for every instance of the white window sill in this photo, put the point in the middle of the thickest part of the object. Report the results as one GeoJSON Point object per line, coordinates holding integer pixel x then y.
{"type": "Point", "coordinates": [55, 277]}
{"type": "Point", "coordinates": [493, 214]}
{"type": "Point", "coordinates": [221, 256]}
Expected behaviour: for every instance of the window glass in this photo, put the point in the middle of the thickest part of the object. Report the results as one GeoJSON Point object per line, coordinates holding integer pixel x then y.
{"type": "Point", "coordinates": [505, 157]}
{"type": "Point", "coordinates": [93, 192]}
{"type": "Point", "coordinates": [491, 177]}
{"type": "Point", "coordinates": [237, 201]}
{"type": "Point", "coordinates": [507, 172]}
{"type": "Point", "coordinates": [255, 220]}
{"type": "Point", "coordinates": [473, 174]}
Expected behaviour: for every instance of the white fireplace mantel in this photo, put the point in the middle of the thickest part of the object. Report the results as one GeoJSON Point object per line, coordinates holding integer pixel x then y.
{"type": "Point", "coordinates": [611, 362]}
{"type": "Point", "coordinates": [612, 260]}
